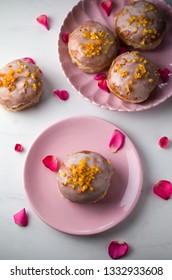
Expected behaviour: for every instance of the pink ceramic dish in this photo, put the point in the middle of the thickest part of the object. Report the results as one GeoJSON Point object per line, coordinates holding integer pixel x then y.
{"type": "Point", "coordinates": [66, 137]}
{"type": "Point", "coordinates": [85, 83]}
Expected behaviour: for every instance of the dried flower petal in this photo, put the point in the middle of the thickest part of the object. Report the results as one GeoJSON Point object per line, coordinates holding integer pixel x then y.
{"type": "Point", "coordinates": [20, 218]}
{"type": "Point", "coordinates": [123, 50]}
{"type": "Point", "coordinates": [116, 141]}
{"type": "Point", "coordinates": [102, 84]}
{"type": "Point", "coordinates": [118, 249]}
{"type": "Point", "coordinates": [65, 37]}
{"type": "Point", "coordinates": [51, 162]}
{"type": "Point", "coordinates": [163, 189]}
{"type": "Point", "coordinates": [43, 20]}
{"type": "Point", "coordinates": [163, 142]}
{"type": "Point", "coordinates": [164, 74]}
{"type": "Point", "coordinates": [18, 148]}
{"type": "Point", "coordinates": [62, 94]}
{"type": "Point", "coordinates": [107, 7]}
{"type": "Point", "coordinates": [29, 59]}
{"type": "Point", "coordinates": [100, 76]}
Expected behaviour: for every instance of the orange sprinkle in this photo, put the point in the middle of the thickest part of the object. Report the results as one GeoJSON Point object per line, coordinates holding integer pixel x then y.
{"type": "Point", "coordinates": [34, 86]}
{"type": "Point", "coordinates": [27, 74]}
{"type": "Point", "coordinates": [81, 175]}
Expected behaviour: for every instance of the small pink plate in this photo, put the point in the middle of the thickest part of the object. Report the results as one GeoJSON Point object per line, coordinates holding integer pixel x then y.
{"type": "Point", "coordinates": [85, 83]}
{"type": "Point", "coordinates": [68, 136]}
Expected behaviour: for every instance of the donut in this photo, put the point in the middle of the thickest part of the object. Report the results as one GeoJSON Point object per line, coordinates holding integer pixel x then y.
{"type": "Point", "coordinates": [140, 25]}
{"type": "Point", "coordinates": [84, 177]}
{"type": "Point", "coordinates": [20, 85]}
{"type": "Point", "coordinates": [132, 77]}
{"type": "Point", "coordinates": [92, 47]}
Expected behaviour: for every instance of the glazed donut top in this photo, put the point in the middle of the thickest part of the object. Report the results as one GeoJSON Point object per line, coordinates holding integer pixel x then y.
{"type": "Point", "coordinates": [133, 76]}
{"type": "Point", "coordinates": [20, 82]}
{"type": "Point", "coordinates": [85, 172]}
{"type": "Point", "coordinates": [92, 44]}
{"type": "Point", "coordinates": [140, 22]}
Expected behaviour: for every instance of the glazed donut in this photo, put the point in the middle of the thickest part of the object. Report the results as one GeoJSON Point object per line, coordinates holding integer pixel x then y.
{"type": "Point", "coordinates": [132, 77]}
{"type": "Point", "coordinates": [140, 25]}
{"type": "Point", "coordinates": [92, 47]}
{"type": "Point", "coordinates": [20, 85]}
{"type": "Point", "coordinates": [84, 177]}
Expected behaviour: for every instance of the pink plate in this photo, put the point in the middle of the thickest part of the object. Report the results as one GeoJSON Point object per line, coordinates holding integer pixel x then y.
{"type": "Point", "coordinates": [77, 134]}
{"type": "Point", "coordinates": [85, 83]}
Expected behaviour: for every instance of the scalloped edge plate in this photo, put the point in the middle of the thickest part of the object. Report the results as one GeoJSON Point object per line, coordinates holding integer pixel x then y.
{"type": "Point", "coordinates": [85, 83]}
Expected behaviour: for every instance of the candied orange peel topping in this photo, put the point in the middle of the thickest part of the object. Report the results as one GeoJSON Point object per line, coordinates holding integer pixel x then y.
{"type": "Point", "coordinates": [140, 20]}
{"type": "Point", "coordinates": [81, 175]}
{"type": "Point", "coordinates": [97, 40]}
{"type": "Point", "coordinates": [140, 71]}
{"type": "Point", "coordinates": [10, 78]}
{"type": "Point", "coordinates": [124, 73]}
{"type": "Point", "coordinates": [91, 49]}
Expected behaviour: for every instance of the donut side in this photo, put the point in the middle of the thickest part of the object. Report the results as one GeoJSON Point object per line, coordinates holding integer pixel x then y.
{"type": "Point", "coordinates": [21, 85]}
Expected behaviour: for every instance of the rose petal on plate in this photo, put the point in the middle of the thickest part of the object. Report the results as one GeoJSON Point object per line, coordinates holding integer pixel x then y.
{"type": "Point", "coordinates": [123, 50]}
{"type": "Point", "coordinates": [100, 76]}
{"type": "Point", "coordinates": [107, 7]}
{"type": "Point", "coordinates": [65, 37]}
{"type": "Point", "coordinates": [163, 142]}
{"type": "Point", "coordinates": [117, 141]}
{"type": "Point", "coordinates": [43, 20]}
{"type": "Point", "coordinates": [51, 162]}
{"type": "Point", "coordinates": [29, 59]}
{"type": "Point", "coordinates": [18, 148]}
{"type": "Point", "coordinates": [163, 189]}
{"type": "Point", "coordinates": [117, 249]}
{"type": "Point", "coordinates": [62, 94]}
{"type": "Point", "coordinates": [164, 74]}
{"type": "Point", "coordinates": [102, 84]}
{"type": "Point", "coordinates": [20, 218]}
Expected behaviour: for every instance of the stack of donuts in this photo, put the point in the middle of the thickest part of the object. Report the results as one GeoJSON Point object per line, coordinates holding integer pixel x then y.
{"type": "Point", "coordinates": [94, 48]}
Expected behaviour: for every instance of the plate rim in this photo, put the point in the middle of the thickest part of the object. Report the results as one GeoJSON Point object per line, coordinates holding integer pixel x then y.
{"type": "Point", "coordinates": [73, 231]}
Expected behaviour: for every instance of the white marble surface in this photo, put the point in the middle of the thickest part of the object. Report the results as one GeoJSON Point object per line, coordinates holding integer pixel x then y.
{"type": "Point", "coordinates": [148, 229]}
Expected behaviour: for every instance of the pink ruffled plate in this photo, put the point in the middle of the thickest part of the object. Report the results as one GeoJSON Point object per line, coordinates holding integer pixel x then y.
{"type": "Point", "coordinates": [68, 136]}
{"type": "Point", "coordinates": [85, 83]}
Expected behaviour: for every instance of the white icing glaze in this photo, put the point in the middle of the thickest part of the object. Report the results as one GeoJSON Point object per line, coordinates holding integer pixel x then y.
{"type": "Point", "coordinates": [26, 88]}
{"type": "Point", "coordinates": [140, 88]}
{"type": "Point", "coordinates": [77, 47]}
{"type": "Point", "coordinates": [134, 32]}
{"type": "Point", "coordinates": [100, 184]}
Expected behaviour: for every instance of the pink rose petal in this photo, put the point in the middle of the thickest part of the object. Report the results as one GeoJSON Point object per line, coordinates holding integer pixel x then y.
{"type": "Point", "coordinates": [65, 37]}
{"type": "Point", "coordinates": [20, 218]}
{"type": "Point", "coordinates": [163, 189]}
{"type": "Point", "coordinates": [18, 148]}
{"type": "Point", "coordinates": [62, 94]}
{"type": "Point", "coordinates": [51, 162]}
{"type": "Point", "coordinates": [100, 76]}
{"type": "Point", "coordinates": [164, 74]}
{"type": "Point", "coordinates": [29, 59]}
{"type": "Point", "coordinates": [107, 7]}
{"type": "Point", "coordinates": [43, 20]}
{"type": "Point", "coordinates": [163, 142]}
{"type": "Point", "coordinates": [118, 249]}
{"type": "Point", "coordinates": [123, 50]}
{"type": "Point", "coordinates": [116, 141]}
{"type": "Point", "coordinates": [102, 84]}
